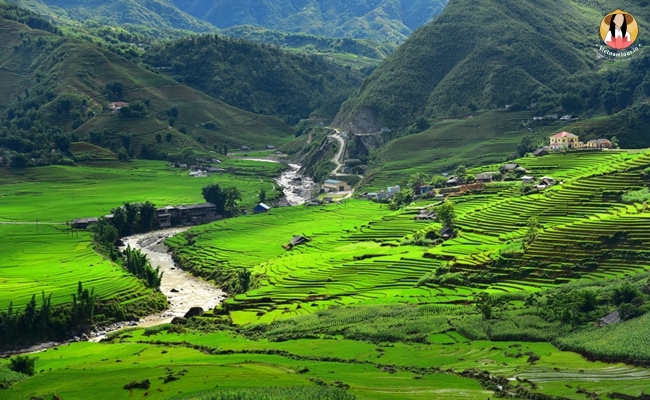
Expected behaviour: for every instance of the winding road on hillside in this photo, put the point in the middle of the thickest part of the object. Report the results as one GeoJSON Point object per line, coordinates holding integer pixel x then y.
{"type": "Point", "coordinates": [338, 158]}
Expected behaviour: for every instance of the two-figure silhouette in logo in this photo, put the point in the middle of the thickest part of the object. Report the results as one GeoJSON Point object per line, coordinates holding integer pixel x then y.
{"type": "Point", "coordinates": [619, 29]}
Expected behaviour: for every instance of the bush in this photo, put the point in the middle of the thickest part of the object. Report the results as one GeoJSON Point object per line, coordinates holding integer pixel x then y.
{"type": "Point", "coordinates": [23, 364]}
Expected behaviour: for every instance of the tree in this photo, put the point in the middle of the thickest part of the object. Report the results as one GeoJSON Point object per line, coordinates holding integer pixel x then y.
{"type": "Point", "coordinates": [225, 149]}
{"type": "Point", "coordinates": [439, 181]}
{"type": "Point", "coordinates": [115, 90]}
{"type": "Point", "coordinates": [19, 161]}
{"type": "Point", "coordinates": [418, 179]}
{"type": "Point", "coordinates": [262, 195]}
{"type": "Point", "coordinates": [533, 227]}
{"type": "Point", "coordinates": [446, 213]}
{"type": "Point", "coordinates": [215, 195]}
{"type": "Point", "coordinates": [147, 218]}
{"type": "Point", "coordinates": [614, 141]}
{"type": "Point", "coordinates": [232, 197]}
{"type": "Point", "coordinates": [461, 172]}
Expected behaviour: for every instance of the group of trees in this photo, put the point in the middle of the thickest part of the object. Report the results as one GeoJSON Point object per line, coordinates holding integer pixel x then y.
{"type": "Point", "coordinates": [47, 321]}
{"type": "Point", "coordinates": [225, 199]}
{"type": "Point", "coordinates": [139, 265]}
{"type": "Point", "coordinates": [134, 218]}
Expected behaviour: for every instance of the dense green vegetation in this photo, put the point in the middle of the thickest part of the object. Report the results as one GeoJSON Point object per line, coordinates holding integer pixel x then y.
{"type": "Point", "coordinates": [487, 54]}
{"type": "Point", "coordinates": [57, 91]}
{"type": "Point", "coordinates": [257, 77]}
{"type": "Point", "coordinates": [153, 14]}
{"type": "Point", "coordinates": [378, 20]}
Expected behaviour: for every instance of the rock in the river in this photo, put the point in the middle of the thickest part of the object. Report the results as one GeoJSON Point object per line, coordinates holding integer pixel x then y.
{"type": "Point", "coordinates": [178, 321]}
{"type": "Point", "coordinates": [194, 312]}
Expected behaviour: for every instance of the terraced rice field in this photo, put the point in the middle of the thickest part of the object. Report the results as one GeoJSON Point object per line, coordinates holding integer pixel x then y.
{"type": "Point", "coordinates": [355, 255]}
{"type": "Point", "coordinates": [42, 255]}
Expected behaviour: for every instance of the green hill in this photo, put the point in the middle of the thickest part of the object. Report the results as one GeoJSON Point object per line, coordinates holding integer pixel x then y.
{"type": "Point", "coordinates": [59, 86]}
{"type": "Point", "coordinates": [257, 77]}
{"type": "Point", "coordinates": [381, 20]}
{"type": "Point", "coordinates": [488, 54]}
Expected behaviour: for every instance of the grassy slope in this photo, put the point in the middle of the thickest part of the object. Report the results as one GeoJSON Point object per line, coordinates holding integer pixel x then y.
{"type": "Point", "coordinates": [60, 193]}
{"type": "Point", "coordinates": [81, 70]}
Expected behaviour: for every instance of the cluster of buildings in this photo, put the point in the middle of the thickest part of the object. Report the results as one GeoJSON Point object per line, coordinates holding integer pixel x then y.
{"type": "Point", "coordinates": [191, 214]}
{"type": "Point", "coordinates": [567, 140]}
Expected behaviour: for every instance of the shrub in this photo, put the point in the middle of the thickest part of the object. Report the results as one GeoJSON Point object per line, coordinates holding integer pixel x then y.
{"type": "Point", "coordinates": [23, 364]}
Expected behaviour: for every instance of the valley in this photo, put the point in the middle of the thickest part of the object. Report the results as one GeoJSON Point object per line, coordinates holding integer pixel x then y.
{"type": "Point", "coordinates": [318, 200]}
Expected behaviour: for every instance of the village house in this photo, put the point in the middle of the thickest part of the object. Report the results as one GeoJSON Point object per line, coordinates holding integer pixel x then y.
{"type": "Point", "coordinates": [83, 223]}
{"type": "Point", "coordinates": [425, 215]}
{"type": "Point", "coordinates": [454, 181]}
{"type": "Point", "coordinates": [333, 185]}
{"type": "Point", "coordinates": [564, 140]}
{"type": "Point", "coordinates": [509, 167]}
{"type": "Point", "coordinates": [117, 105]}
{"type": "Point", "coordinates": [261, 208]}
{"type": "Point", "coordinates": [540, 152]}
{"type": "Point", "coordinates": [484, 177]}
{"type": "Point", "coordinates": [423, 189]}
{"type": "Point", "coordinates": [393, 189]}
{"type": "Point", "coordinates": [196, 213]}
{"type": "Point", "coordinates": [527, 179]}
{"type": "Point", "coordinates": [599, 144]}
{"type": "Point", "coordinates": [447, 233]}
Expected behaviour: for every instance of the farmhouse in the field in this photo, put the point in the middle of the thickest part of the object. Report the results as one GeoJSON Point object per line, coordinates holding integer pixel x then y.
{"type": "Point", "coordinates": [261, 208]}
{"type": "Point", "coordinates": [527, 179]}
{"type": "Point", "coordinates": [333, 185]}
{"type": "Point", "coordinates": [454, 181]}
{"type": "Point", "coordinates": [484, 177]}
{"type": "Point", "coordinates": [83, 223]}
{"type": "Point", "coordinates": [425, 215]}
{"type": "Point", "coordinates": [564, 140]}
{"type": "Point", "coordinates": [540, 152]}
{"type": "Point", "coordinates": [447, 233]}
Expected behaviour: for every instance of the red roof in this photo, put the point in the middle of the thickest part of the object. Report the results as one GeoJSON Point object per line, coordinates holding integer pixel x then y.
{"type": "Point", "coordinates": [563, 134]}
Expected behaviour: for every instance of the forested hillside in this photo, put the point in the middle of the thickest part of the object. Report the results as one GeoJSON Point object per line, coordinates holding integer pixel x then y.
{"type": "Point", "coordinates": [391, 20]}
{"type": "Point", "coordinates": [158, 14]}
{"type": "Point", "coordinates": [257, 77]}
{"type": "Point", "coordinates": [57, 90]}
{"type": "Point", "coordinates": [487, 54]}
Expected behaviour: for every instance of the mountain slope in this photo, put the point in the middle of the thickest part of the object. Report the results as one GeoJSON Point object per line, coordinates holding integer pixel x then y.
{"type": "Point", "coordinates": [485, 54]}
{"type": "Point", "coordinates": [159, 14]}
{"type": "Point", "coordinates": [390, 20]}
{"type": "Point", "coordinates": [257, 77]}
{"type": "Point", "coordinates": [58, 87]}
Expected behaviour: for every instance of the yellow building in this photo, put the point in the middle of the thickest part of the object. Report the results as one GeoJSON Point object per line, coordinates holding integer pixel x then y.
{"type": "Point", "coordinates": [565, 140]}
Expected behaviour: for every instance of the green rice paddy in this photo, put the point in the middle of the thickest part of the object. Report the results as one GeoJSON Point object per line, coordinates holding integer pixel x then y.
{"type": "Point", "coordinates": [43, 255]}
{"type": "Point", "coordinates": [355, 257]}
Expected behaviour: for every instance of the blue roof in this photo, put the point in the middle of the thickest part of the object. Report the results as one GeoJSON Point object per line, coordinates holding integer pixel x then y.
{"type": "Point", "coordinates": [332, 181]}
